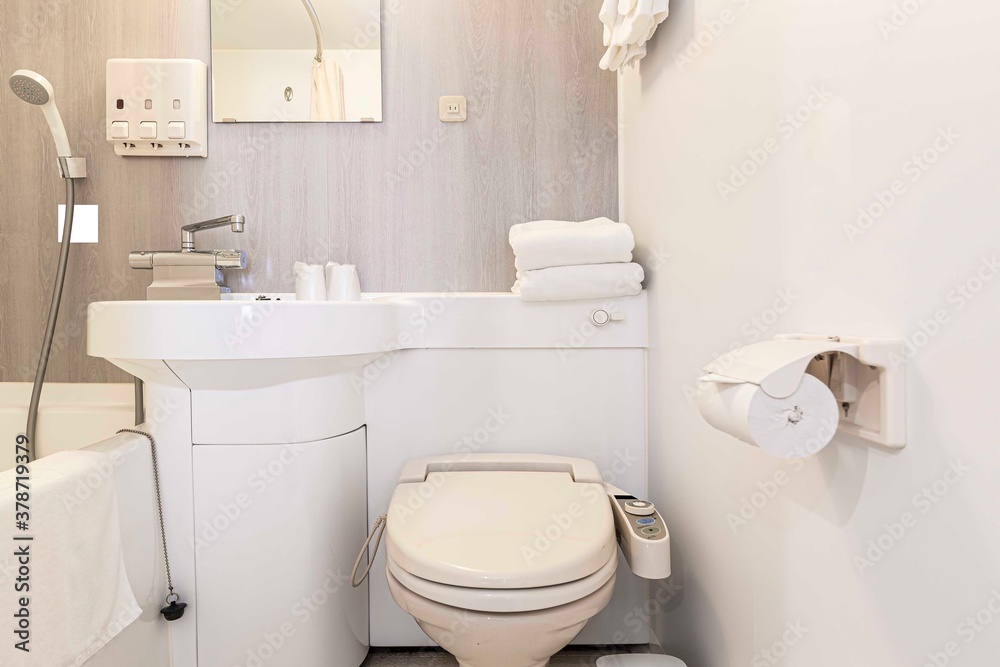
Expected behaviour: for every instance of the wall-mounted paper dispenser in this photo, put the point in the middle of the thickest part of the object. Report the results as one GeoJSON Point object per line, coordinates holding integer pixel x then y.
{"type": "Point", "coordinates": [789, 395]}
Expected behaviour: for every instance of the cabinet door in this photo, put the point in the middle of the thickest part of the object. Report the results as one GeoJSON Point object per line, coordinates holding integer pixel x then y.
{"type": "Point", "coordinates": [277, 529]}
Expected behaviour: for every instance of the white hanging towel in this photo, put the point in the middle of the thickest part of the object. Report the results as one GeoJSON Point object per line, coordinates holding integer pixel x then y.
{"type": "Point", "coordinates": [628, 25]}
{"type": "Point", "coordinates": [548, 243]}
{"type": "Point", "coordinates": [79, 597]}
{"type": "Point", "coordinates": [327, 102]}
{"type": "Point", "coordinates": [589, 281]}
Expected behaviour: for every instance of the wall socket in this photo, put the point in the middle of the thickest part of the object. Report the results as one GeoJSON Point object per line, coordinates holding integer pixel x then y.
{"type": "Point", "coordinates": [453, 109]}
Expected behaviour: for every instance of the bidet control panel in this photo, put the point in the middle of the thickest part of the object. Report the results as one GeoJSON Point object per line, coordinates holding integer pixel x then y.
{"type": "Point", "coordinates": [157, 107]}
{"type": "Point", "coordinates": [642, 536]}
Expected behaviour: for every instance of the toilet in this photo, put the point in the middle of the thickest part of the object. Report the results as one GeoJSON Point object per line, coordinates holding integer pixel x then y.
{"type": "Point", "coordinates": [501, 558]}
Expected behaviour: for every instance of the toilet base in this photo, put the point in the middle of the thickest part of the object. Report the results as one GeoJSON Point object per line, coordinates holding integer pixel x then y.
{"type": "Point", "coordinates": [491, 639]}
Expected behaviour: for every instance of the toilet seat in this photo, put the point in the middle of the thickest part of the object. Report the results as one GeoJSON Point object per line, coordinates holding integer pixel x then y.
{"type": "Point", "coordinates": [501, 559]}
{"type": "Point", "coordinates": [505, 600]}
{"type": "Point", "coordinates": [501, 528]}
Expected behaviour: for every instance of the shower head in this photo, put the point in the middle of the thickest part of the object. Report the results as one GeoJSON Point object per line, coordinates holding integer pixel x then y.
{"type": "Point", "coordinates": [35, 89]}
{"type": "Point", "coordinates": [31, 87]}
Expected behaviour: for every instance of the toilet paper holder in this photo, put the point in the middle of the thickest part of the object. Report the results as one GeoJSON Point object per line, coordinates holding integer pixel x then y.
{"type": "Point", "coordinates": [866, 375]}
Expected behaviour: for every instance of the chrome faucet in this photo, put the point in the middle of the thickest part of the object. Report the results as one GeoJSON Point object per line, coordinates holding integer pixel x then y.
{"type": "Point", "coordinates": [190, 274]}
{"type": "Point", "coordinates": [188, 231]}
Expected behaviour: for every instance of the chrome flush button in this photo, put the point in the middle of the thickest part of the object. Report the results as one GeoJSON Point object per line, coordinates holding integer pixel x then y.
{"type": "Point", "coordinates": [600, 317]}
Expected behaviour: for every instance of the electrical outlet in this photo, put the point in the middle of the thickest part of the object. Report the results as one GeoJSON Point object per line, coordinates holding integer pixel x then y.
{"type": "Point", "coordinates": [453, 109]}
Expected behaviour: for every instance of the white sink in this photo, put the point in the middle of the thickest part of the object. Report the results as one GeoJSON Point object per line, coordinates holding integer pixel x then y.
{"type": "Point", "coordinates": [259, 372]}
{"type": "Point", "coordinates": [244, 329]}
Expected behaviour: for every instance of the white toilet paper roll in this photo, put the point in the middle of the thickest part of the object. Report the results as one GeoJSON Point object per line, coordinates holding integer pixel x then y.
{"type": "Point", "coordinates": [790, 428]}
{"type": "Point", "coordinates": [310, 283]}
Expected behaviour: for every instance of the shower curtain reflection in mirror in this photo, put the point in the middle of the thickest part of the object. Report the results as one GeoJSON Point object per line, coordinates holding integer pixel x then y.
{"type": "Point", "coordinates": [296, 60]}
{"type": "Point", "coordinates": [327, 100]}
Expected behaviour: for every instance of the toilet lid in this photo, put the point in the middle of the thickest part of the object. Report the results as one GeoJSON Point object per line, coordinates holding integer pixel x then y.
{"type": "Point", "coordinates": [500, 529]}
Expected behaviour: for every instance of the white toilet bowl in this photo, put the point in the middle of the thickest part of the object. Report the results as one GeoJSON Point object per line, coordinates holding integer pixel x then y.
{"type": "Point", "coordinates": [501, 559]}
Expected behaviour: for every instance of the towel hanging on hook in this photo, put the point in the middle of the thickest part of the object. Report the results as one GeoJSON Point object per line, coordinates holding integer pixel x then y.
{"type": "Point", "coordinates": [628, 25]}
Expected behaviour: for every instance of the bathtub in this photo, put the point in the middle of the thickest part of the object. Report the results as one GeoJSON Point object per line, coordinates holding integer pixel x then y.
{"type": "Point", "coordinates": [71, 417]}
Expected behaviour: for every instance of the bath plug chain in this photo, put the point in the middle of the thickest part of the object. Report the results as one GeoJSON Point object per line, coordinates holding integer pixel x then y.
{"type": "Point", "coordinates": [175, 608]}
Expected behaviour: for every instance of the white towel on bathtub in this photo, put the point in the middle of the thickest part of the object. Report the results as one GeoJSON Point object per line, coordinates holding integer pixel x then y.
{"type": "Point", "coordinates": [546, 243]}
{"type": "Point", "coordinates": [589, 281]}
{"type": "Point", "coordinates": [79, 596]}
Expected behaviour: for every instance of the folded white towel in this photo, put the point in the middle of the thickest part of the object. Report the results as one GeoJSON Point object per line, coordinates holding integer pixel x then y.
{"type": "Point", "coordinates": [591, 281]}
{"type": "Point", "coordinates": [538, 225]}
{"type": "Point", "coordinates": [548, 243]}
{"type": "Point", "coordinates": [79, 597]}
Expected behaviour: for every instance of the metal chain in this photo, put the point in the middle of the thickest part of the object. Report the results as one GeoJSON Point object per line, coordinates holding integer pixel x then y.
{"type": "Point", "coordinates": [159, 509]}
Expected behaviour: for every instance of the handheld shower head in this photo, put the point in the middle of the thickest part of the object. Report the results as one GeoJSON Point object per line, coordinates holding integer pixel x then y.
{"type": "Point", "coordinates": [31, 87]}
{"type": "Point", "coordinates": [35, 89]}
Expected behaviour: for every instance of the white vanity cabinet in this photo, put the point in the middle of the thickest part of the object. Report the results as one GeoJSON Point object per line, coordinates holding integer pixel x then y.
{"type": "Point", "coordinates": [277, 530]}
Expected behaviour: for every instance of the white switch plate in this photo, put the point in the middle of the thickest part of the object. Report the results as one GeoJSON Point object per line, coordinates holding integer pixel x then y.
{"type": "Point", "coordinates": [84, 223]}
{"type": "Point", "coordinates": [453, 109]}
{"type": "Point", "coordinates": [158, 92]}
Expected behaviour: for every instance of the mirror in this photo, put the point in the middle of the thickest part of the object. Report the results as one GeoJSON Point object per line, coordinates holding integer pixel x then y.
{"type": "Point", "coordinates": [296, 61]}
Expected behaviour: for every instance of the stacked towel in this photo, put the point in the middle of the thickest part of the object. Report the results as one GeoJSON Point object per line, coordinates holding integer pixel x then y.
{"type": "Point", "coordinates": [628, 25]}
{"type": "Point", "coordinates": [558, 260]}
{"type": "Point", "coordinates": [547, 243]}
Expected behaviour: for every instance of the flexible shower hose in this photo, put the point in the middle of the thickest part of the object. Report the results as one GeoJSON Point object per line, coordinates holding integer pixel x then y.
{"type": "Point", "coordinates": [50, 327]}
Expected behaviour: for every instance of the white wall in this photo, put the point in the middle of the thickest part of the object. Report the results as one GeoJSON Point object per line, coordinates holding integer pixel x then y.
{"type": "Point", "coordinates": [722, 266]}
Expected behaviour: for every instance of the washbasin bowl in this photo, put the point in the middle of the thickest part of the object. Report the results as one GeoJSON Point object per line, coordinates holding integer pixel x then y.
{"type": "Point", "coordinates": [242, 329]}
{"type": "Point", "coordinates": [258, 372]}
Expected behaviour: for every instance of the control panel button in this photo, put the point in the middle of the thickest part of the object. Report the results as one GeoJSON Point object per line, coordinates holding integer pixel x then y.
{"type": "Point", "coordinates": [119, 129]}
{"type": "Point", "coordinates": [600, 317]}
{"type": "Point", "coordinates": [175, 130]}
{"type": "Point", "coordinates": [645, 521]}
{"type": "Point", "coordinates": [147, 129]}
{"type": "Point", "coordinates": [650, 531]}
{"type": "Point", "coordinates": [639, 507]}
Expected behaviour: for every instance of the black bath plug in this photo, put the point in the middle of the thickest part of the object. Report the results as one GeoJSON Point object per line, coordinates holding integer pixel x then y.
{"type": "Point", "coordinates": [173, 611]}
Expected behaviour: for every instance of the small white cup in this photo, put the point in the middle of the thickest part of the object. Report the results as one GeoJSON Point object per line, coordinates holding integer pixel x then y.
{"type": "Point", "coordinates": [342, 282]}
{"type": "Point", "coordinates": [310, 285]}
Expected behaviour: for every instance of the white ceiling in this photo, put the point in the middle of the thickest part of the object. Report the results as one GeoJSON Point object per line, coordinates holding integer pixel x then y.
{"type": "Point", "coordinates": [285, 24]}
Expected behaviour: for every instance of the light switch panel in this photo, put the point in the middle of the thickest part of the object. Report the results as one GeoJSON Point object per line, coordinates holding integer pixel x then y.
{"type": "Point", "coordinates": [157, 107]}
{"type": "Point", "coordinates": [84, 223]}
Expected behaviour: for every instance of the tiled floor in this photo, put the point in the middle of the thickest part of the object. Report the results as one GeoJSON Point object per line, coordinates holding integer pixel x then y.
{"type": "Point", "coordinates": [571, 657]}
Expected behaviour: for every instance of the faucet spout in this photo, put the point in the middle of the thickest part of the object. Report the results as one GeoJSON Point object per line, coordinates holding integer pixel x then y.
{"type": "Point", "coordinates": [235, 223]}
